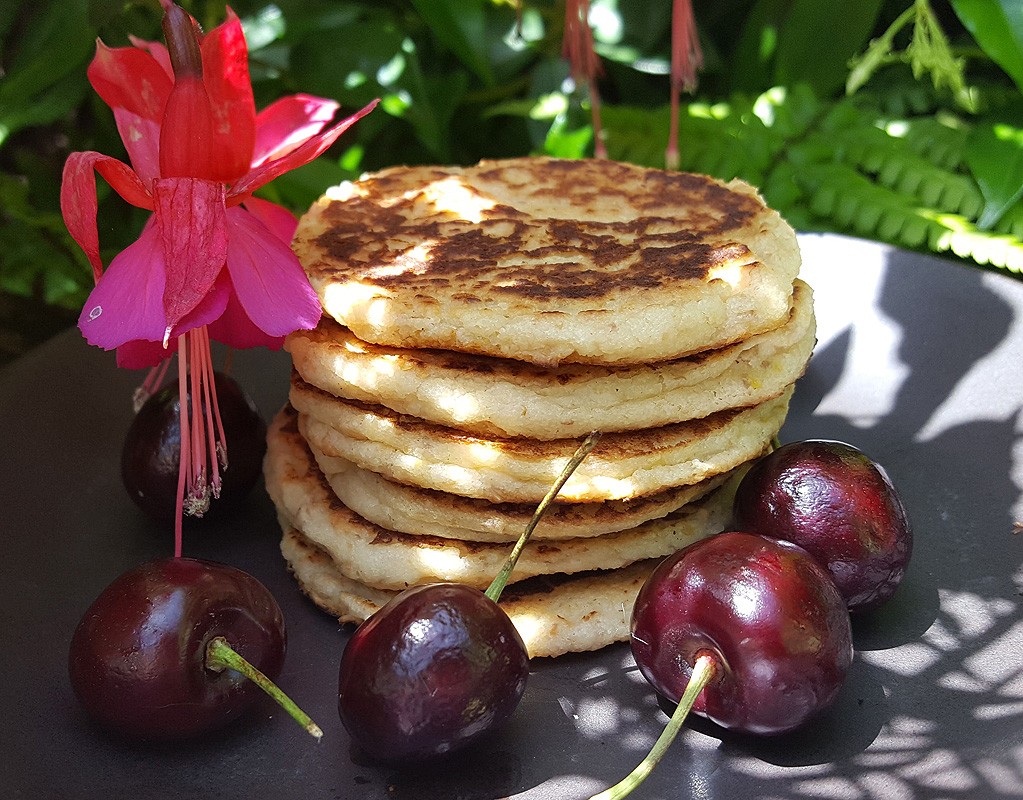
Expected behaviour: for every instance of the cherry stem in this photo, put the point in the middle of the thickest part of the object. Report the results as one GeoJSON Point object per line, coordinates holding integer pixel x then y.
{"type": "Point", "coordinates": [703, 673]}
{"type": "Point", "coordinates": [220, 656]}
{"type": "Point", "coordinates": [501, 580]}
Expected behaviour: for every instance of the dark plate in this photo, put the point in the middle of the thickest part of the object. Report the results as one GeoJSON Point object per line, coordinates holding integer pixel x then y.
{"type": "Point", "coordinates": [918, 364]}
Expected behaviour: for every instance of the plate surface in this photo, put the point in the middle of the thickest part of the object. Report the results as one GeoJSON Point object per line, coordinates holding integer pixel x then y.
{"type": "Point", "coordinates": [918, 364]}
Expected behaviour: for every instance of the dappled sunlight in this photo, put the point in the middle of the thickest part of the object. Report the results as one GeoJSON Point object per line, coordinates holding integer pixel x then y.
{"type": "Point", "coordinates": [451, 196]}
{"type": "Point", "coordinates": [414, 261]}
{"type": "Point", "coordinates": [530, 628]}
{"type": "Point", "coordinates": [603, 485]}
{"type": "Point", "coordinates": [446, 563]}
{"type": "Point", "coordinates": [366, 373]}
{"type": "Point", "coordinates": [343, 298]}
{"type": "Point", "coordinates": [730, 273]}
{"type": "Point", "coordinates": [462, 406]}
{"type": "Point", "coordinates": [484, 453]}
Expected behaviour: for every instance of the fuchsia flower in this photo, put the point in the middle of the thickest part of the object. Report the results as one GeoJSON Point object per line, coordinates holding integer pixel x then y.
{"type": "Point", "coordinates": [212, 261]}
{"type": "Point", "coordinates": [211, 254]}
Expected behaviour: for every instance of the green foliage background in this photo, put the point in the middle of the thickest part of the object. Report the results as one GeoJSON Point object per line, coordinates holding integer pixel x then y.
{"type": "Point", "coordinates": [926, 153]}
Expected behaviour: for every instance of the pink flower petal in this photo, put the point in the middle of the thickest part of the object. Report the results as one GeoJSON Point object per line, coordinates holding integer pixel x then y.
{"type": "Point", "coordinates": [235, 329]}
{"type": "Point", "coordinates": [192, 228]}
{"type": "Point", "coordinates": [158, 50]}
{"type": "Point", "coordinates": [296, 158]}
{"type": "Point", "coordinates": [127, 303]}
{"type": "Point", "coordinates": [287, 123]}
{"type": "Point", "coordinates": [78, 198]}
{"type": "Point", "coordinates": [225, 62]}
{"type": "Point", "coordinates": [141, 139]}
{"type": "Point", "coordinates": [130, 78]}
{"type": "Point", "coordinates": [268, 279]}
{"type": "Point", "coordinates": [281, 222]}
{"type": "Point", "coordinates": [141, 354]}
{"type": "Point", "coordinates": [210, 308]}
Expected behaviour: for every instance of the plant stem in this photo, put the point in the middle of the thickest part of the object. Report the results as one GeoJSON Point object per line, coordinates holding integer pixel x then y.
{"type": "Point", "coordinates": [499, 582]}
{"type": "Point", "coordinates": [703, 672]}
{"type": "Point", "coordinates": [220, 655]}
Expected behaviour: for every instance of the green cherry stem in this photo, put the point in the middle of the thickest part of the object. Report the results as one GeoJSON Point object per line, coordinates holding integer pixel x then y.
{"type": "Point", "coordinates": [499, 582]}
{"type": "Point", "coordinates": [703, 673]}
{"type": "Point", "coordinates": [220, 656]}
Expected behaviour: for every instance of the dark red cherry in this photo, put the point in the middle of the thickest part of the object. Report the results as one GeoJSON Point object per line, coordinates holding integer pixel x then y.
{"type": "Point", "coordinates": [768, 615]}
{"type": "Point", "coordinates": [147, 659]}
{"type": "Point", "coordinates": [746, 630]}
{"type": "Point", "coordinates": [152, 449]}
{"type": "Point", "coordinates": [433, 670]}
{"type": "Point", "coordinates": [834, 501]}
{"type": "Point", "coordinates": [439, 665]}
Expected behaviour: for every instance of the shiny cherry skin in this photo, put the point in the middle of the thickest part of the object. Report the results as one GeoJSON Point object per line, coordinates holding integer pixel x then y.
{"type": "Point", "coordinates": [767, 613]}
{"type": "Point", "coordinates": [152, 449]}
{"type": "Point", "coordinates": [834, 501]}
{"type": "Point", "coordinates": [430, 672]}
{"type": "Point", "coordinates": [137, 657]}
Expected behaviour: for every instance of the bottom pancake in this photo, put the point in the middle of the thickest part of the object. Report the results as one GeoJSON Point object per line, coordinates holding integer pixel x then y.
{"type": "Point", "coordinates": [554, 614]}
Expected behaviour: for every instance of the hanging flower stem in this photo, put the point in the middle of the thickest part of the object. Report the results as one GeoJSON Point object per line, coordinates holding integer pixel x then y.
{"type": "Point", "coordinates": [686, 59]}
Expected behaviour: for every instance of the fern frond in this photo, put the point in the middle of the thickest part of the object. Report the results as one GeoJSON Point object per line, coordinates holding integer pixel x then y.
{"type": "Point", "coordinates": [1011, 223]}
{"type": "Point", "coordinates": [886, 154]}
{"type": "Point", "coordinates": [724, 140]}
{"type": "Point", "coordinates": [938, 141]}
{"type": "Point", "coordinates": [852, 202]}
{"type": "Point", "coordinates": [901, 98]}
{"type": "Point", "coordinates": [961, 237]}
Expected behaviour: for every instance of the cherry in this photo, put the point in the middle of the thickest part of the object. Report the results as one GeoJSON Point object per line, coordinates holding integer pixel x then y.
{"type": "Point", "coordinates": [429, 672]}
{"type": "Point", "coordinates": [160, 654]}
{"type": "Point", "coordinates": [838, 504]}
{"type": "Point", "coordinates": [438, 666]}
{"type": "Point", "coordinates": [746, 630]}
{"type": "Point", "coordinates": [152, 449]}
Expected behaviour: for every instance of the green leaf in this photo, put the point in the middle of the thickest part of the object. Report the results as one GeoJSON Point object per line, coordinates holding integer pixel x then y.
{"type": "Point", "coordinates": [994, 154]}
{"type": "Point", "coordinates": [751, 68]}
{"type": "Point", "coordinates": [461, 26]}
{"type": "Point", "coordinates": [35, 67]}
{"type": "Point", "coordinates": [818, 39]}
{"type": "Point", "coordinates": [997, 25]}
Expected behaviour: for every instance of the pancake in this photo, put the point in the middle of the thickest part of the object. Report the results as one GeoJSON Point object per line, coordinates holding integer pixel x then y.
{"type": "Point", "coordinates": [554, 615]}
{"type": "Point", "coordinates": [623, 465]}
{"type": "Point", "coordinates": [388, 559]}
{"type": "Point", "coordinates": [550, 261]}
{"type": "Point", "coordinates": [410, 509]}
{"type": "Point", "coordinates": [499, 397]}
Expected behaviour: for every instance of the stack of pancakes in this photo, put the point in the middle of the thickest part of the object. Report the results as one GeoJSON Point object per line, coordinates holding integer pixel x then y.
{"type": "Point", "coordinates": [479, 323]}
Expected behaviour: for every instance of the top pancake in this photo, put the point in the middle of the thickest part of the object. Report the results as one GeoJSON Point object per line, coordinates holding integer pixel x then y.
{"type": "Point", "coordinates": [550, 261]}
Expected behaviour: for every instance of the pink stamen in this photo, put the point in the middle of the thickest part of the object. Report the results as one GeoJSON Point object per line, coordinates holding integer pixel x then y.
{"type": "Point", "coordinates": [203, 440]}
{"type": "Point", "coordinates": [214, 431]}
{"type": "Point", "coordinates": [686, 59]}
{"type": "Point", "coordinates": [198, 495]}
{"type": "Point", "coordinates": [584, 63]}
{"type": "Point", "coordinates": [151, 385]}
{"type": "Point", "coordinates": [183, 464]}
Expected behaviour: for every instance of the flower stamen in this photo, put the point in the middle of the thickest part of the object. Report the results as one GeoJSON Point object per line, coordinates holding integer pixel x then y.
{"type": "Point", "coordinates": [203, 441]}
